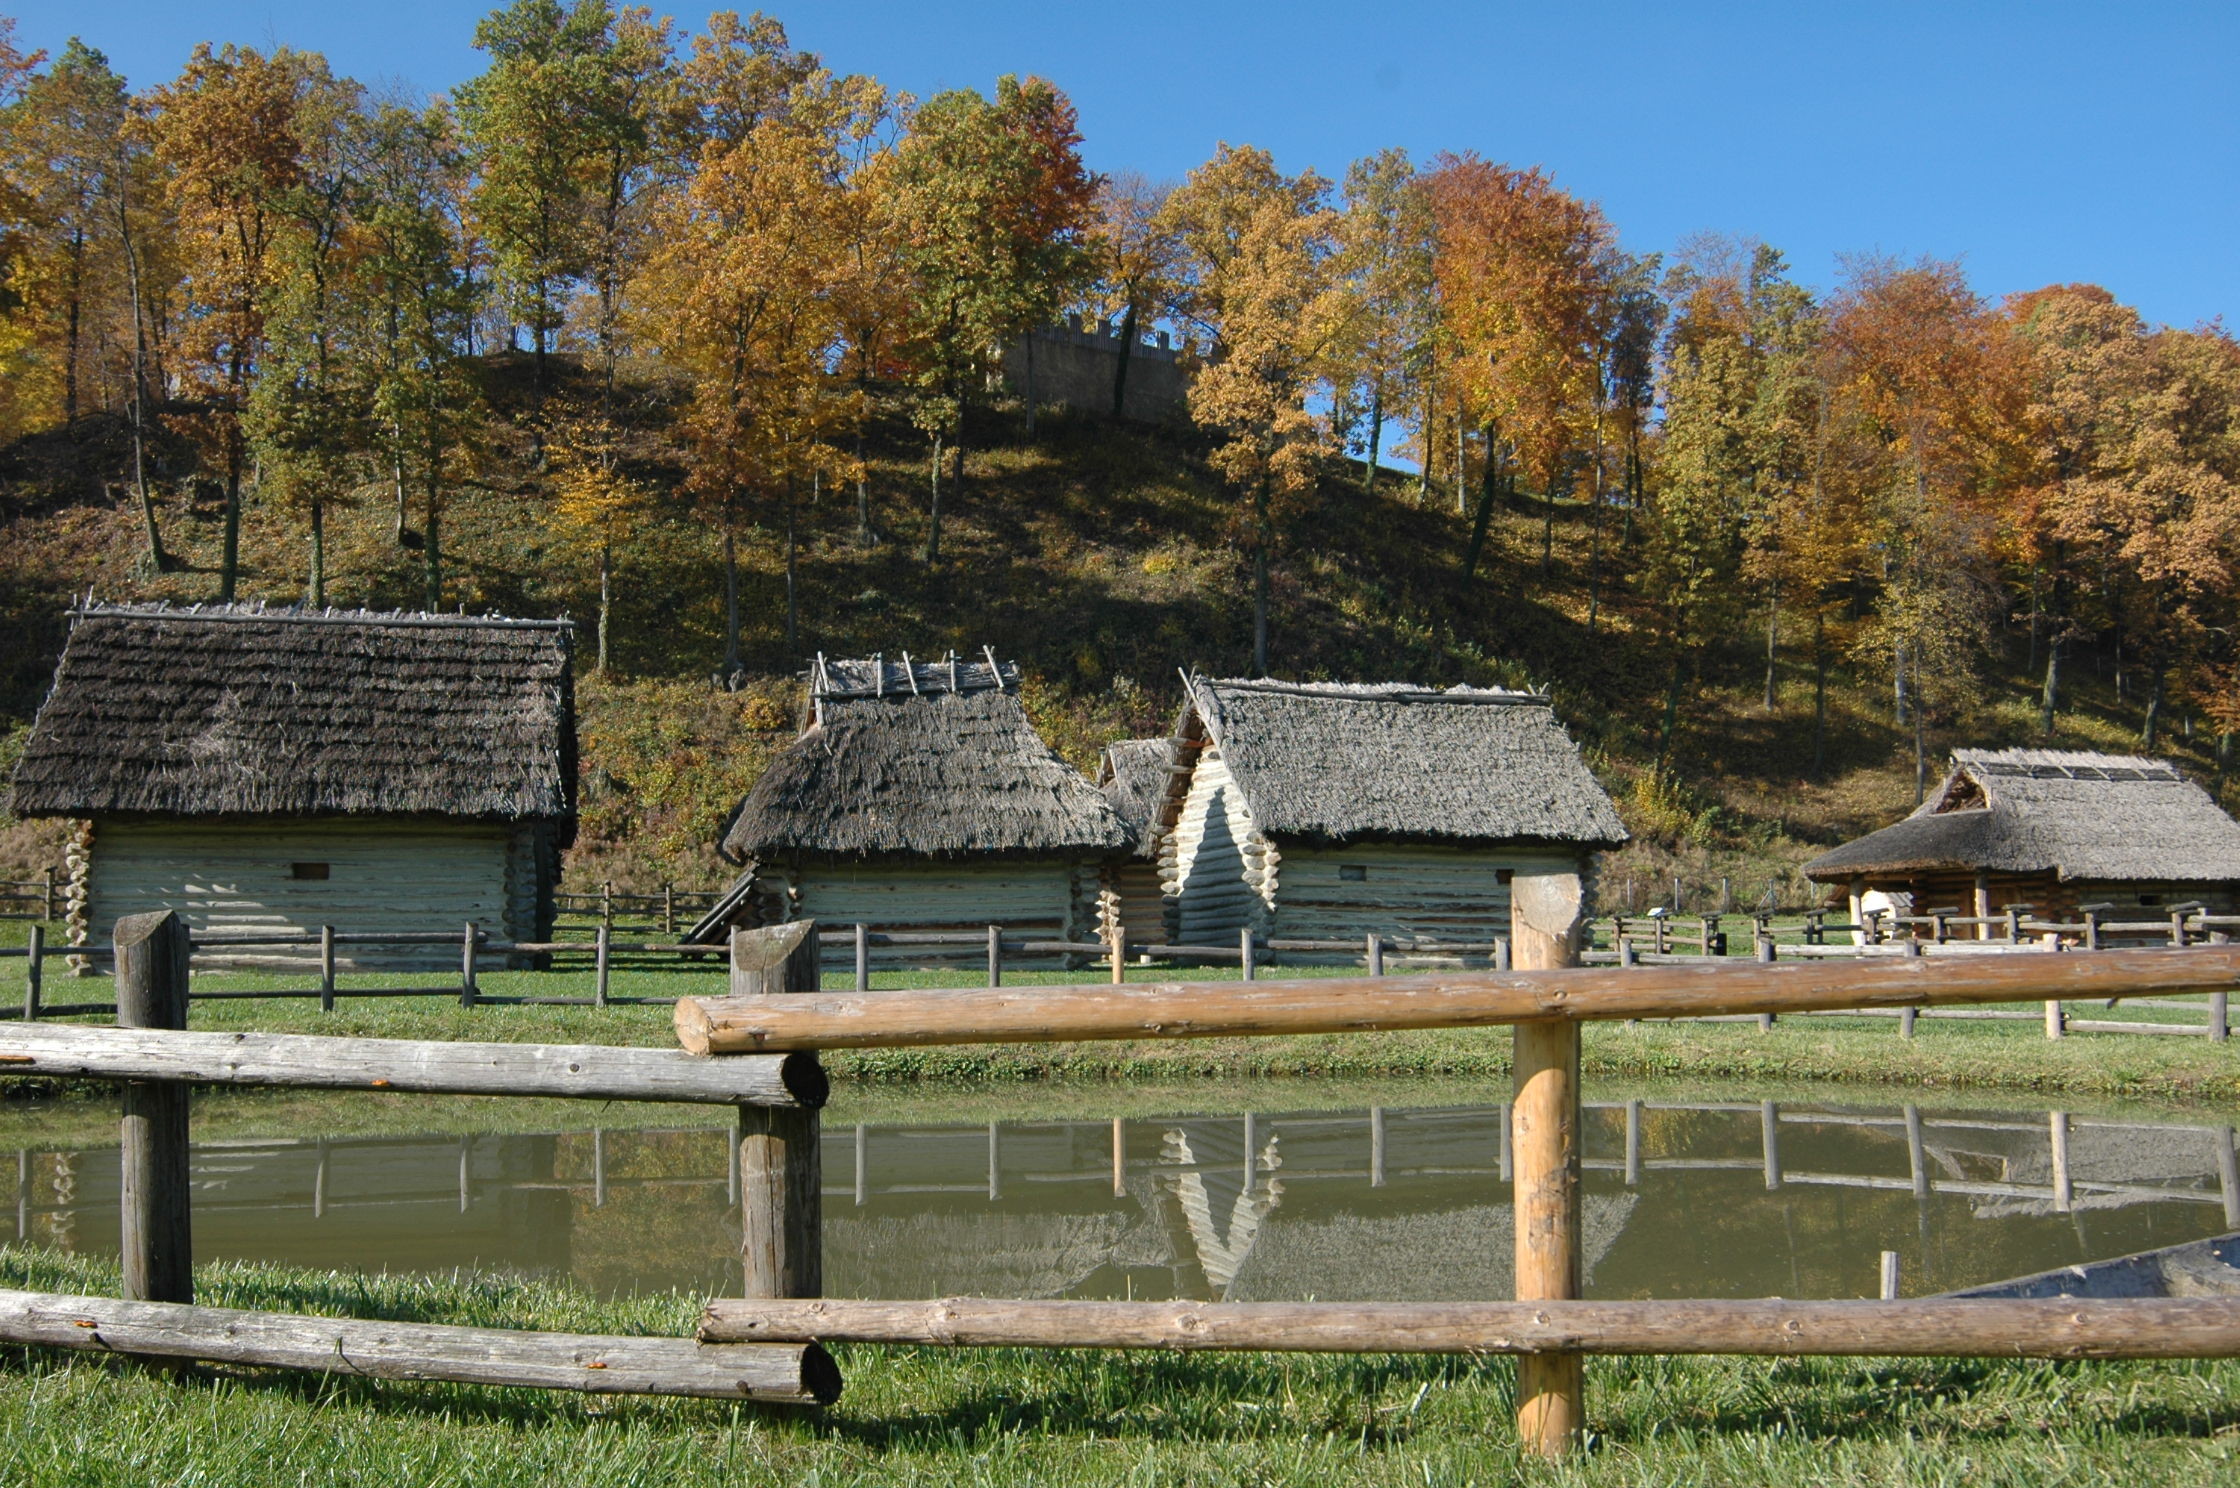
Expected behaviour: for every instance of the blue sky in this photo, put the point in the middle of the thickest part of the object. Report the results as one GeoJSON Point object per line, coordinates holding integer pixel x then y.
{"type": "Point", "coordinates": [2038, 143]}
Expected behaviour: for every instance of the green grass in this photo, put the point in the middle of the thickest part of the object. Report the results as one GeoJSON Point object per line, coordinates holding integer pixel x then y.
{"type": "Point", "coordinates": [926, 1416]}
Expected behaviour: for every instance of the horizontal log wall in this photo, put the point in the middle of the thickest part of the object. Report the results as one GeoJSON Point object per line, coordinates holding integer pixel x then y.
{"type": "Point", "coordinates": [2143, 1328]}
{"type": "Point", "coordinates": [786, 1374]}
{"type": "Point", "coordinates": [1401, 892]}
{"type": "Point", "coordinates": [1033, 899]}
{"type": "Point", "coordinates": [1215, 870]}
{"type": "Point", "coordinates": [381, 876]}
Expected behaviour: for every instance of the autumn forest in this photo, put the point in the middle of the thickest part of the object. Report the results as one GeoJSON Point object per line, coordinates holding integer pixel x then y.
{"type": "Point", "coordinates": [700, 338]}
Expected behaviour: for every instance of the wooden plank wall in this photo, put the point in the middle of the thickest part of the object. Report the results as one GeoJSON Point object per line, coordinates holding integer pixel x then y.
{"type": "Point", "coordinates": [382, 875]}
{"type": "Point", "coordinates": [1403, 891]}
{"type": "Point", "coordinates": [1031, 898]}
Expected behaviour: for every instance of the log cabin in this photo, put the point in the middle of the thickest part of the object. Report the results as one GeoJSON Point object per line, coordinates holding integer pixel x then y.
{"type": "Point", "coordinates": [2051, 830]}
{"type": "Point", "coordinates": [1332, 811]}
{"type": "Point", "coordinates": [1132, 773]}
{"type": "Point", "coordinates": [919, 799]}
{"type": "Point", "coordinates": [279, 770]}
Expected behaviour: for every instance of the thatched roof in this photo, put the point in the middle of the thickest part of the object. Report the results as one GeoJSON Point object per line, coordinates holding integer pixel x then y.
{"type": "Point", "coordinates": [921, 760]}
{"type": "Point", "coordinates": [1133, 776]}
{"type": "Point", "coordinates": [2081, 816]}
{"type": "Point", "coordinates": [1342, 761]}
{"type": "Point", "coordinates": [238, 710]}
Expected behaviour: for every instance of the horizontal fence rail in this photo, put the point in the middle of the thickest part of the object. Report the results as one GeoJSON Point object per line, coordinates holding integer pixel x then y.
{"type": "Point", "coordinates": [2067, 1328]}
{"type": "Point", "coordinates": [314, 1061]}
{"type": "Point", "coordinates": [1457, 1000]}
{"type": "Point", "coordinates": [783, 1374]}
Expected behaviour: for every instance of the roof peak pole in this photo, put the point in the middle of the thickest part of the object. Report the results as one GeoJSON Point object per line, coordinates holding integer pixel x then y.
{"type": "Point", "coordinates": [910, 670]}
{"type": "Point", "coordinates": [995, 667]}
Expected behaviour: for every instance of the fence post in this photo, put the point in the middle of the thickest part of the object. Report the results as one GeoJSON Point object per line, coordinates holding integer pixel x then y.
{"type": "Point", "coordinates": [46, 904]}
{"type": "Point", "coordinates": [1375, 954]}
{"type": "Point", "coordinates": [2057, 1022]}
{"type": "Point", "coordinates": [468, 991]}
{"type": "Point", "coordinates": [995, 955]}
{"type": "Point", "coordinates": [326, 968]}
{"type": "Point", "coordinates": [36, 949]}
{"type": "Point", "coordinates": [606, 902]}
{"type": "Point", "coordinates": [1501, 960]}
{"type": "Point", "coordinates": [780, 1172]}
{"type": "Point", "coordinates": [863, 957]}
{"type": "Point", "coordinates": [1907, 1017]}
{"type": "Point", "coordinates": [2177, 927]}
{"type": "Point", "coordinates": [599, 986]}
{"type": "Point", "coordinates": [1763, 953]}
{"type": "Point", "coordinates": [151, 959]}
{"type": "Point", "coordinates": [2092, 929]}
{"type": "Point", "coordinates": [669, 910]}
{"type": "Point", "coordinates": [1544, 913]}
{"type": "Point", "coordinates": [1119, 955]}
{"type": "Point", "coordinates": [1244, 953]}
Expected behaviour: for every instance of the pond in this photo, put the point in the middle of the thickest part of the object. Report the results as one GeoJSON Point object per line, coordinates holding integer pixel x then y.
{"type": "Point", "coordinates": [1683, 1197]}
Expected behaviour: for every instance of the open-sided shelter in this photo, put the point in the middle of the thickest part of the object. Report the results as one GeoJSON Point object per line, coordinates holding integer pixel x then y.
{"type": "Point", "coordinates": [265, 770]}
{"type": "Point", "coordinates": [921, 800]}
{"type": "Point", "coordinates": [1331, 811]}
{"type": "Point", "coordinates": [2049, 828]}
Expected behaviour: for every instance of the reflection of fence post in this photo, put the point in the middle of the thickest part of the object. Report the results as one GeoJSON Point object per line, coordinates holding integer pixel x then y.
{"type": "Point", "coordinates": [1119, 1156]}
{"type": "Point", "coordinates": [780, 1174]}
{"type": "Point", "coordinates": [2057, 1140]}
{"type": "Point", "coordinates": [1376, 1146]}
{"type": "Point", "coordinates": [1769, 1137]}
{"type": "Point", "coordinates": [1889, 1276]}
{"type": "Point", "coordinates": [1917, 1153]}
{"type": "Point", "coordinates": [151, 960]}
{"type": "Point", "coordinates": [1544, 915]}
{"type": "Point", "coordinates": [1633, 1143]}
{"type": "Point", "coordinates": [36, 949]}
{"type": "Point", "coordinates": [2228, 1177]}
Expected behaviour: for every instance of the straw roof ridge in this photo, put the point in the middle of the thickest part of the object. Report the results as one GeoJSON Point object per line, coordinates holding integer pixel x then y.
{"type": "Point", "coordinates": [876, 677]}
{"type": "Point", "coordinates": [2082, 815]}
{"type": "Point", "coordinates": [243, 710]}
{"type": "Point", "coordinates": [1344, 761]}
{"type": "Point", "coordinates": [1133, 776]}
{"type": "Point", "coordinates": [931, 773]}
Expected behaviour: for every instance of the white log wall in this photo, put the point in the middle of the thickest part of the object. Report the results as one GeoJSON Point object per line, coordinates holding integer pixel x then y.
{"type": "Point", "coordinates": [1031, 899]}
{"type": "Point", "coordinates": [1213, 865]}
{"type": "Point", "coordinates": [1404, 892]}
{"type": "Point", "coordinates": [382, 876]}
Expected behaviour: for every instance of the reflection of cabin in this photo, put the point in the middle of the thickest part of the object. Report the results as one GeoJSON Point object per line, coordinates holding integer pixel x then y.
{"type": "Point", "coordinates": [1332, 811]}
{"type": "Point", "coordinates": [2052, 829]}
{"type": "Point", "coordinates": [920, 799]}
{"type": "Point", "coordinates": [273, 770]}
{"type": "Point", "coordinates": [1133, 776]}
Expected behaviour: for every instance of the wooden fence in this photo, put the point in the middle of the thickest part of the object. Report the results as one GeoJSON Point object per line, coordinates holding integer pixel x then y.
{"type": "Point", "coordinates": [156, 1062]}
{"type": "Point", "coordinates": [1544, 1000]}
{"type": "Point", "coordinates": [29, 899]}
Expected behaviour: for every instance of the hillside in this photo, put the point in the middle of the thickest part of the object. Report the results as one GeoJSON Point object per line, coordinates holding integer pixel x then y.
{"type": "Point", "coordinates": [1103, 558]}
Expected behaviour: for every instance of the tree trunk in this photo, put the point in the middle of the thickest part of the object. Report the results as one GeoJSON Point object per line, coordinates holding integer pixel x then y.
{"type": "Point", "coordinates": [793, 611]}
{"type": "Point", "coordinates": [933, 517]}
{"type": "Point", "coordinates": [318, 585]}
{"type": "Point", "coordinates": [1920, 753]}
{"type": "Point", "coordinates": [606, 601]}
{"type": "Point", "coordinates": [2224, 760]}
{"type": "Point", "coordinates": [435, 546]}
{"type": "Point", "coordinates": [1898, 684]}
{"type": "Point", "coordinates": [1547, 530]}
{"type": "Point", "coordinates": [1120, 367]}
{"type": "Point", "coordinates": [863, 497]}
{"type": "Point", "coordinates": [2150, 727]}
{"type": "Point", "coordinates": [1773, 641]}
{"type": "Point", "coordinates": [1482, 521]}
{"type": "Point", "coordinates": [1260, 580]}
{"type": "Point", "coordinates": [1819, 697]}
{"type": "Point", "coordinates": [1671, 723]}
{"type": "Point", "coordinates": [70, 335]}
{"type": "Point", "coordinates": [731, 663]}
{"type": "Point", "coordinates": [1462, 458]}
{"type": "Point", "coordinates": [1376, 437]}
{"type": "Point", "coordinates": [2050, 699]}
{"type": "Point", "coordinates": [157, 558]}
{"type": "Point", "coordinates": [229, 559]}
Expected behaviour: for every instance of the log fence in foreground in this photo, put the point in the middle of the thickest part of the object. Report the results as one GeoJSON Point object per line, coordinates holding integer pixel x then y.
{"type": "Point", "coordinates": [1545, 998]}
{"type": "Point", "coordinates": [157, 1061]}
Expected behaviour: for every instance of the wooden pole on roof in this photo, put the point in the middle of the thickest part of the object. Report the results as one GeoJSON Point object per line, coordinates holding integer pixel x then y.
{"type": "Point", "coordinates": [1544, 918]}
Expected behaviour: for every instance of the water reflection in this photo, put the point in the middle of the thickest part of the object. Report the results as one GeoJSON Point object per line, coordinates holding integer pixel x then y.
{"type": "Point", "coordinates": [1681, 1199]}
